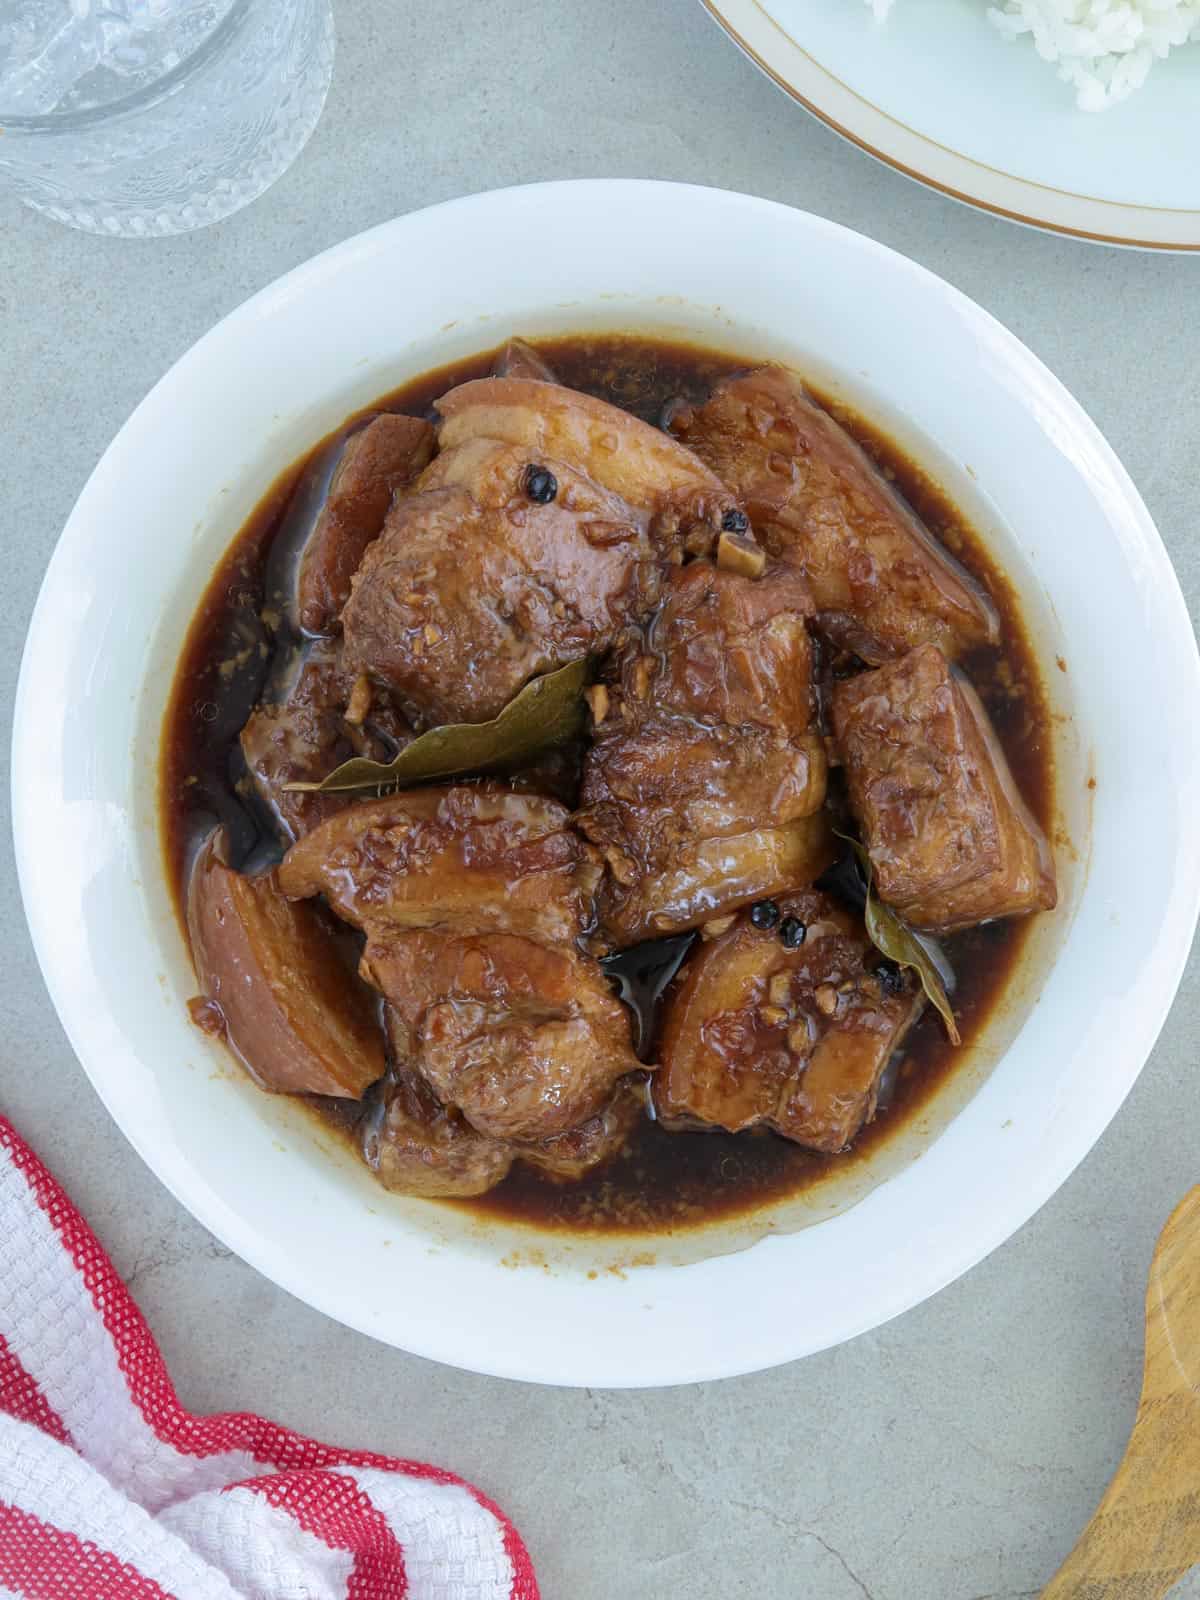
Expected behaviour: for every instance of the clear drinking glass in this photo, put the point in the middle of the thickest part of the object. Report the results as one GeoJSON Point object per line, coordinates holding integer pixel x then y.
{"type": "Point", "coordinates": [143, 117]}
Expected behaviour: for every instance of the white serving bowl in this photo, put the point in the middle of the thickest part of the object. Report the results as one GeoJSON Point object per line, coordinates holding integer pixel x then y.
{"type": "Point", "coordinates": [1009, 444]}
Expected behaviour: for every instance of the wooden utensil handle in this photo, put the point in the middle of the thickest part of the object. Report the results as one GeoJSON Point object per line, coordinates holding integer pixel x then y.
{"type": "Point", "coordinates": [1146, 1532]}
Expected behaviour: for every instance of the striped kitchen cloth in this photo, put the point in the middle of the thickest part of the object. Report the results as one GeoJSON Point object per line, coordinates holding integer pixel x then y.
{"type": "Point", "coordinates": [110, 1490]}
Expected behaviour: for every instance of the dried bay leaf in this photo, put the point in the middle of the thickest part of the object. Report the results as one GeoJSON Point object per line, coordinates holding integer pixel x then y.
{"type": "Point", "coordinates": [549, 710]}
{"type": "Point", "coordinates": [892, 936]}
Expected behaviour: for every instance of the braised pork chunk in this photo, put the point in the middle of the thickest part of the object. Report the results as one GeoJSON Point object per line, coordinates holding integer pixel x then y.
{"type": "Point", "coordinates": [526, 1041]}
{"type": "Point", "coordinates": [463, 600]}
{"type": "Point", "coordinates": [703, 787]}
{"type": "Point", "coordinates": [289, 1000]}
{"type": "Point", "coordinates": [376, 462]}
{"type": "Point", "coordinates": [757, 1034]}
{"type": "Point", "coordinates": [543, 528]}
{"type": "Point", "coordinates": [314, 728]}
{"type": "Point", "coordinates": [470, 858]}
{"type": "Point", "coordinates": [880, 583]}
{"type": "Point", "coordinates": [731, 648]}
{"type": "Point", "coordinates": [950, 839]}
{"type": "Point", "coordinates": [473, 900]}
{"type": "Point", "coordinates": [414, 1145]}
{"type": "Point", "coordinates": [567, 1157]}
{"type": "Point", "coordinates": [643, 466]}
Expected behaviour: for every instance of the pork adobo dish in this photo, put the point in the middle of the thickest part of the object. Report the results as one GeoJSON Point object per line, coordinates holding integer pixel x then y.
{"type": "Point", "coordinates": [608, 783]}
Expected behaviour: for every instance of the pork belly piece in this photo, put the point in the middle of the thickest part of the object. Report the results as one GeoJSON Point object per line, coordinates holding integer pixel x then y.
{"type": "Point", "coordinates": [642, 465]}
{"type": "Point", "coordinates": [473, 900]}
{"type": "Point", "coordinates": [472, 859]}
{"type": "Point", "coordinates": [880, 581]}
{"type": "Point", "coordinates": [414, 1145]}
{"type": "Point", "coordinates": [693, 823]}
{"type": "Point", "coordinates": [757, 1034]}
{"type": "Point", "coordinates": [376, 462]}
{"type": "Point", "coordinates": [730, 649]}
{"type": "Point", "coordinates": [417, 1146]}
{"type": "Point", "coordinates": [526, 1041]}
{"type": "Point", "coordinates": [325, 718]}
{"type": "Point", "coordinates": [504, 566]}
{"type": "Point", "coordinates": [544, 527]}
{"type": "Point", "coordinates": [293, 1009]}
{"type": "Point", "coordinates": [951, 841]}
{"type": "Point", "coordinates": [703, 785]}
{"type": "Point", "coordinates": [570, 1156]}
{"type": "Point", "coordinates": [464, 599]}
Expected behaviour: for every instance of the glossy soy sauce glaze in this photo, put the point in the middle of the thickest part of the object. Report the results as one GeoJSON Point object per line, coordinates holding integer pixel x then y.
{"type": "Point", "coordinates": [240, 639]}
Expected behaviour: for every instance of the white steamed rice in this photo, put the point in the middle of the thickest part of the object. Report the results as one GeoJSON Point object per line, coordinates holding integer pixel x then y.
{"type": "Point", "coordinates": [1103, 48]}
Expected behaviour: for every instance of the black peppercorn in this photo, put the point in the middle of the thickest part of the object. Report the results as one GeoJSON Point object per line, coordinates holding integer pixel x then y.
{"type": "Point", "coordinates": [792, 933]}
{"type": "Point", "coordinates": [764, 914]}
{"type": "Point", "coordinates": [891, 978]}
{"type": "Point", "coordinates": [540, 485]}
{"type": "Point", "coordinates": [735, 521]}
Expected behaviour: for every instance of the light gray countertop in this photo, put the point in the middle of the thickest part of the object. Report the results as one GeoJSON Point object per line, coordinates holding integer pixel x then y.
{"type": "Point", "coordinates": [953, 1454]}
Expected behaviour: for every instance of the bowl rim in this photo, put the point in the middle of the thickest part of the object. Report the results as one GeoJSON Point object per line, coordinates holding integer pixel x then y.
{"type": "Point", "coordinates": [1158, 983]}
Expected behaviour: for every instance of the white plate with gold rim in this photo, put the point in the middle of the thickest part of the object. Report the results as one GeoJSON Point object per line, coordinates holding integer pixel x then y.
{"type": "Point", "coordinates": [939, 94]}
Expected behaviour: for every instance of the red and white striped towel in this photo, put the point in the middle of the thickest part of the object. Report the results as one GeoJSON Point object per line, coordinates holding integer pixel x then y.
{"type": "Point", "coordinates": [110, 1490]}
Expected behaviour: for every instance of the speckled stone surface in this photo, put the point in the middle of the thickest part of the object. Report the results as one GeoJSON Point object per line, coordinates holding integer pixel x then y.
{"type": "Point", "coordinates": [953, 1454]}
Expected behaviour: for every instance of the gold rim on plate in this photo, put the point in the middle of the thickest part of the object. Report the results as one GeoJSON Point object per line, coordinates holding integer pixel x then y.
{"type": "Point", "coordinates": [768, 44]}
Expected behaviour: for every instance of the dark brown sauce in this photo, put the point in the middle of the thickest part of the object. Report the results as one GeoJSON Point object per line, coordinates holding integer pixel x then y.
{"type": "Point", "coordinates": [662, 1180]}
